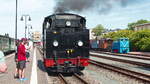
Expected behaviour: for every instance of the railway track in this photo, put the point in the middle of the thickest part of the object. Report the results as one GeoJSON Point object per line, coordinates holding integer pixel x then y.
{"type": "Point", "coordinates": [122, 60]}
{"type": "Point", "coordinates": [136, 75]}
{"type": "Point", "coordinates": [62, 79]}
{"type": "Point", "coordinates": [81, 79]}
{"type": "Point", "coordinates": [65, 80]}
{"type": "Point", "coordinates": [139, 54]}
{"type": "Point", "coordinates": [143, 57]}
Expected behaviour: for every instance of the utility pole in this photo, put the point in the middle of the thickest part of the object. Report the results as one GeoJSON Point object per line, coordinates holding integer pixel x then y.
{"type": "Point", "coordinates": [16, 20]}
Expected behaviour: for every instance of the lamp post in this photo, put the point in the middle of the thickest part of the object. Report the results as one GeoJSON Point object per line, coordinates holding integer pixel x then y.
{"type": "Point", "coordinates": [16, 20]}
{"type": "Point", "coordinates": [24, 17]}
{"type": "Point", "coordinates": [29, 27]}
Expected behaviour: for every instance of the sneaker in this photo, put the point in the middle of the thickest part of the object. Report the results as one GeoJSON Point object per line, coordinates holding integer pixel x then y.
{"type": "Point", "coordinates": [16, 76]}
{"type": "Point", "coordinates": [21, 79]}
{"type": "Point", "coordinates": [24, 79]}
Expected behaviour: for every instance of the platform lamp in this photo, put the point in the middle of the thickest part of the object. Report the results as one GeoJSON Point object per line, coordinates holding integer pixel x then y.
{"type": "Point", "coordinates": [24, 18]}
{"type": "Point", "coordinates": [29, 27]}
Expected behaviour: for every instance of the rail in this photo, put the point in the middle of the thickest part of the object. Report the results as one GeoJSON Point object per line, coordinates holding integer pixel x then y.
{"type": "Point", "coordinates": [137, 75]}
{"type": "Point", "coordinates": [122, 60]}
{"type": "Point", "coordinates": [61, 77]}
{"type": "Point", "coordinates": [84, 81]}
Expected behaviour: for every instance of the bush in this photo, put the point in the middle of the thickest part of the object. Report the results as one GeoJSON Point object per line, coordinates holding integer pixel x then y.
{"type": "Point", "coordinates": [144, 44]}
{"type": "Point", "coordinates": [119, 34]}
{"type": "Point", "coordinates": [139, 40]}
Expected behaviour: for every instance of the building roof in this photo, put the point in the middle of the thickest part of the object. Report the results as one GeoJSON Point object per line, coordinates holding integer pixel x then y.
{"type": "Point", "coordinates": [143, 24]}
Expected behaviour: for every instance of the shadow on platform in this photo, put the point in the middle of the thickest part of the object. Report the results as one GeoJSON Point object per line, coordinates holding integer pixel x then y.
{"type": "Point", "coordinates": [41, 66]}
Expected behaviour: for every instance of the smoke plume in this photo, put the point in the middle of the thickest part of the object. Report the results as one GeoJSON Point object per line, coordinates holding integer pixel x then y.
{"type": "Point", "coordinates": [101, 6]}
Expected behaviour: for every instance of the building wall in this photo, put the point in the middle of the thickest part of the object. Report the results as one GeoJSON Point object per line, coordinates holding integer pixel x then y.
{"type": "Point", "coordinates": [36, 36]}
{"type": "Point", "coordinates": [92, 34]}
{"type": "Point", "coordinates": [142, 27]}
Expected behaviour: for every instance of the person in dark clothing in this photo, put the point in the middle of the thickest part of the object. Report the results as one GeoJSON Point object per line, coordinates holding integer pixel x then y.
{"type": "Point", "coordinates": [16, 60]}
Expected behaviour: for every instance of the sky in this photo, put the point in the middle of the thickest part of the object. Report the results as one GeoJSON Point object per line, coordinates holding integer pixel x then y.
{"type": "Point", "coordinates": [117, 17]}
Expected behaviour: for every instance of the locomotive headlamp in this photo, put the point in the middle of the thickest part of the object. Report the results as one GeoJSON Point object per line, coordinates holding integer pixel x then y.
{"type": "Point", "coordinates": [80, 43]}
{"type": "Point", "coordinates": [54, 32]}
{"type": "Point", "coordinates": [55, 43]}
{"type": "Point", "coordinates": [68, 23]}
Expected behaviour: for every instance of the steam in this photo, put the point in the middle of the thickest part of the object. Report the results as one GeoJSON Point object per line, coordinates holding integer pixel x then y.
{"type": "Point", "coordinates": [101, 6]}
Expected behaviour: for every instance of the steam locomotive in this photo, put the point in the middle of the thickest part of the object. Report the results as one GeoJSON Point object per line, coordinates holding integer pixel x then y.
{"type": "Point", "coordinates": [65, 43]}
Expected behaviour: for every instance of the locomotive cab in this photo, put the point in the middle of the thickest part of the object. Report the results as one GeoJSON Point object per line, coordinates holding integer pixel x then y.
{"type": "Point", "coordinates": [65, 43]}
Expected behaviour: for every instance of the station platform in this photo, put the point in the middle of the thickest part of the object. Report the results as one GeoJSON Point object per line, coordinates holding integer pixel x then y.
{"type": "Point", "coordinates": [140, 53]}
{"type": "Point", "coordinates": [34, 72]}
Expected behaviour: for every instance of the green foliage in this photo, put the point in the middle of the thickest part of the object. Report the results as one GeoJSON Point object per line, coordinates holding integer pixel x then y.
{"type": "Point", "coordinates": [139, 40]}
{"type": "Point", "coordinates": [98, 30]}
{"type": "Point", "coordinates": [144, 44]}
{"type": "Point", "coordinates": [132, 25]}
{"type": "Point", "coordinates": [119, 34]}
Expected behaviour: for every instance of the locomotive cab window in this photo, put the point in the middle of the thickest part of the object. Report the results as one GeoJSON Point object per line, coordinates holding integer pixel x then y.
{"type": "Point", "coordinates": [82, 23]}
{"type": "Point", "coordinates": [47, 25]}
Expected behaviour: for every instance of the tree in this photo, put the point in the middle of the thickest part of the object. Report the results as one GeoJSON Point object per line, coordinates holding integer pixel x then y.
{"type": "Point", "coordinates": [140, 40]}
{"type": "Point", "coordinates": [144, 44]}
{"type": "Point", "coordinates": [119, 34]}
{"type": "Point", "coordinates": [98, 30]}
{"type": "Point", "coordinates": [131, 26]}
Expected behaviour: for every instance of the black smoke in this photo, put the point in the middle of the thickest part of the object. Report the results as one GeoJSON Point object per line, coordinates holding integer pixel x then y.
{"type": "Point", "coordinates": [101, 6]}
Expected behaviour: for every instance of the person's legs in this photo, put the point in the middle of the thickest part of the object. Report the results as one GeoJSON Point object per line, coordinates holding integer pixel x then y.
{"type": "Point", "coordinates": [20, 67]}
{"type": "Point", "coordinates": [23, 74]}
{"type": "Point", "coordinates": [23, 69]}
{"type": "Point", "coordinates": [17, 71]}
{"type": "Point", "coordinates": [20, 73]}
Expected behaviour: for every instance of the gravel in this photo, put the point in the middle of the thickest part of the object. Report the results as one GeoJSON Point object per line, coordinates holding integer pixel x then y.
{"type": "Point", "coordinates": [108, 77]}
{"type": "Point", "coordinates": [123, 65]}
{"type": "Point", "coordinates": [53, 80]}
{"type": "Point", "coordinates": [97, 75]}
{"type": "Point", "coordinates": [73, 80]}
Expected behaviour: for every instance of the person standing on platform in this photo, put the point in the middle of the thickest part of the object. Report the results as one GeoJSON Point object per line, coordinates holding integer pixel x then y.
{"type": "Point", "coordinates": [30, 44]}
{"type": "Point", "coordinates": [22, 59]}
{"type": "Point", "coordinates": [3, 66]}
{"type": "Point", "coordinates": [16, 60]}
{"type": "Point", "coordinates": [27, 50]}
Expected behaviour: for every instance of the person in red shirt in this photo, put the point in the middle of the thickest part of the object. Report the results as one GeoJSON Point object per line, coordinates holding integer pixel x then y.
{"type": "Point", "coordinates": [22, 59]}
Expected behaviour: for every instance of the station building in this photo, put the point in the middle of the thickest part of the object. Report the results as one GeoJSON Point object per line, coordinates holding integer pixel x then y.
{"type": "Point", "coordinates": [142, 27]}
{"type": "Point", "coordinates": [36, 36]}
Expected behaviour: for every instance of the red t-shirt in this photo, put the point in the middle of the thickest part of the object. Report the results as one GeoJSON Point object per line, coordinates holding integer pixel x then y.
{"type": "Point", "coordinates": [21, 53]}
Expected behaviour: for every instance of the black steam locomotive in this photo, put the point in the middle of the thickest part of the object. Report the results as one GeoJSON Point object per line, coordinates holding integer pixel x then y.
{"type": "Point", "coordinates": [65, 43]}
